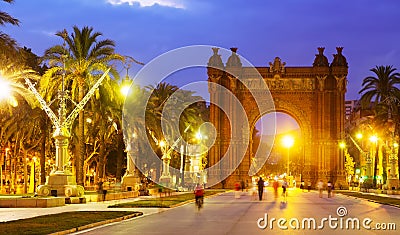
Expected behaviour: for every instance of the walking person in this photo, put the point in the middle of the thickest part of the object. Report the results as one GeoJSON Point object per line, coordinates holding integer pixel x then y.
{"type": "Point", "coordinates": [242, 185]}
{"type": "Point", "coordinates": [309, 186]}
{"type": "Point", "coordinates": [260, 185]}
{"type": "Point", "coordinates": [320, 187]}
{"type": "Point", "coordinates": [284, 190]}
{"type": "Point", "coordinates": [275, 185]}
{"type": "Point", "coordinates": [237, 192]}
{"type": "Point", "coordinates": [329, 189]}
{"type": "Point", "coordinates": [302, 186]}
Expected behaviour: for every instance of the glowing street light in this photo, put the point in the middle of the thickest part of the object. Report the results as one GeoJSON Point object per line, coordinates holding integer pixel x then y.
{"type": "Point", "coordinates": [288, 142]}
{"type": "Point", "coordinates": [372, 159]}
{"type": "Point", "coordinates": [359, 135]}
{"type": "Point", "coordinates": [4, 88]}
{"type": "Point", "coordinates": [125, 89]}
{"type": "Point", "coordinates": [199, 136]}
{"type": "Point", "coordinates": [162, 144]}
{"type": "Point", "coordinates": [126, 83]}
{"type": "Point", "coordinates": [373, 139]}
{"type": "Point", "coordinates": [342, 145]}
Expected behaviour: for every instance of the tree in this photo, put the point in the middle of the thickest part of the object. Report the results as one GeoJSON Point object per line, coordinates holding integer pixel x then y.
{"type": "Point", "coordinates": [8, 46]}
{"type": "Point", "coordinates": [146, 108]}
{"type": "Point", "coordinates": [349, 164]}
{"type": "Point", "coordinates": [383, 92]}
{"type": "Point", "coordinates": [85, 58]}
{"type": "Point", "coordinates": [106, 113]}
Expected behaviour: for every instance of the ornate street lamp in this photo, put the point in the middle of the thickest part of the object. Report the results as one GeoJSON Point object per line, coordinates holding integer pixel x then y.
{"type": "Point", "coordinates": [165, 177]}
{"type": "Point", "coordinates": [60, 180]}
{"type": "Point", "coordinates": [131, 179]}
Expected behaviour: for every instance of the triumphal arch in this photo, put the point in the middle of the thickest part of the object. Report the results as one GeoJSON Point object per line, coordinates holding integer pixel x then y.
{"type": "Point", "coordinates": [313, 96]}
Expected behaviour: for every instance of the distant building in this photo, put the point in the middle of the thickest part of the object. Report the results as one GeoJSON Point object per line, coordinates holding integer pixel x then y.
{"type": "Point", "coordinates": [349, 107]}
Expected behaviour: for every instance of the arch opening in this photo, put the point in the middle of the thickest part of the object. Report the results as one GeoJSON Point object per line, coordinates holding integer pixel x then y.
{"type": "Point", "coordinates": [274, 145]}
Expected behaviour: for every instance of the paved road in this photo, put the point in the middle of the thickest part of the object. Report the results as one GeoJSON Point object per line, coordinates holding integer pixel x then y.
{"type": "Point", "coordinates": [224, 214]}
{"type": "Point", "coordinates": [9, 214]}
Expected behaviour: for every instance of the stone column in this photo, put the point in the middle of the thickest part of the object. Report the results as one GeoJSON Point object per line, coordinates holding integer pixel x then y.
{"type": "Point", "coordinates": [131, 180]}
{"type": "Point", "coordinates": [166, 178]}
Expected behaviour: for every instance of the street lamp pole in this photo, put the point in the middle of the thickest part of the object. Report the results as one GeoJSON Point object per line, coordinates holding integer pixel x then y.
{"type": "Point", "coordinates": [374, 141]}
{"type": "Point", "coordinates": [61, 180]}
{"type": "Point", "coordinates": [288, 142]}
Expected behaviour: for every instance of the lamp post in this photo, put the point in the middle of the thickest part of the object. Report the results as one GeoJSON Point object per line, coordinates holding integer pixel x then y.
{"type": "Point", "coordinates": [165, 178]}
{"type": "Point", "coordinates": [374, 140]}
{"type": "Point", "coordinates": [288, 142]}
{"type": "Point", "coordinates": [342, 146]}
{"type": "Point", "coordinates": [60, 180]}
{"type": "Point", "coordinates": [131, 180]}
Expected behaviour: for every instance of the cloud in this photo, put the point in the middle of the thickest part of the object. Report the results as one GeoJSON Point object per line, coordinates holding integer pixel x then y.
{"type": "Point", "coordinates": [149, 3]}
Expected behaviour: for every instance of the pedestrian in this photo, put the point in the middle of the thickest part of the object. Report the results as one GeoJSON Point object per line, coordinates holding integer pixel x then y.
{"type": "Point", "coordinates": [242, 185]}
{"type": "Point", "coordinates": [275, 185]}
{"type": "Point", "coordinates": [302, 185]}
{"type": "Point", "coordinates": [320, 187]}
{"type": "Point", "coordinates": [260, 185]}
{"type": "Point", "coordinates": [237, 192]}
{"type": "Point", "coordinates": [309, 186]}
{"type": "Point", "coordinates": [329, 188]}
{"type": "Point", "coordinates": [284, 189]}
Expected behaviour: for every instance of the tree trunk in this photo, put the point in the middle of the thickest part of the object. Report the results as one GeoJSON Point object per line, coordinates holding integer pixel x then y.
{"type": "Point", "coordinates": [102, 158]}
{"type": "Point", "coordinates": [43, 152]}
{"type": "Point", "coordinates": [120, 156]}
{"type": "Point", "coordinates": [376, 159]}
{"type": "Point", "coordinates": [25, 172]}
{"type": "Point", "coordinates": [80, 158]}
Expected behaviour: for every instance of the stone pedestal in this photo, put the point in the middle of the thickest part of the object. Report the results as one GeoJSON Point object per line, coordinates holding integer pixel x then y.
{"type": "Point", "coordinates": [165, 178]}
{"type": "Point", "coordinates": [393, 183]}
{"type": "Point", "coordinates": [61, 184]}
{"type": "Point", "coordinates": [130, 182]}
{"type": "Point", "coordinates": [341, 182]}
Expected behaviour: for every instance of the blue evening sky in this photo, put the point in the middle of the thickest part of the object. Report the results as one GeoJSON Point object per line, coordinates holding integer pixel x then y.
{"type": "Point", "coordinates": [261, 29]}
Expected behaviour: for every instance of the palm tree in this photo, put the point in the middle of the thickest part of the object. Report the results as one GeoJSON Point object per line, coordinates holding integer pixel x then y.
{"type": "Point", "coordinates": [382, 88]}
{"type": "Point", "coordinates": [106, 112]}
{"type": "Point", "coordinates": [383, 92]}
{"type": "Point", "coordinates": [8, 46]}
{"type": "Point", "coordinates": [84, 57]}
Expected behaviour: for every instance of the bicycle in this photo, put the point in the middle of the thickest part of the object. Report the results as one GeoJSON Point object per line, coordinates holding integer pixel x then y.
{"type": "Point", "coordinates": [199, 196]}
{"type": "Point", "coordinates": [199, 202]}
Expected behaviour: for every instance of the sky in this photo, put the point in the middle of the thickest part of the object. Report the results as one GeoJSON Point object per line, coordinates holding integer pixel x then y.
{"type": "Point", "coordinates": [260, 29]}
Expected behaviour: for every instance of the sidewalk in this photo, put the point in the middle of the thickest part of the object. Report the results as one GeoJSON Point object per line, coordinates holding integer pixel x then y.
{"type": "Point", "coordinates": [380, 194]}
{"type": "Point", "coordinates": [9, 214]}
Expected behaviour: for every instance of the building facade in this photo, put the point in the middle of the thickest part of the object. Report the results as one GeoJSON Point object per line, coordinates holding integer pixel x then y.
{"type": "Point", "coordinates": [313, 96]}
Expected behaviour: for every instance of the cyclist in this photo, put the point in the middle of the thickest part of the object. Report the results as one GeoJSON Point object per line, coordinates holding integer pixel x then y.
{"type": "Point", "coordinates": [199, 195]}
